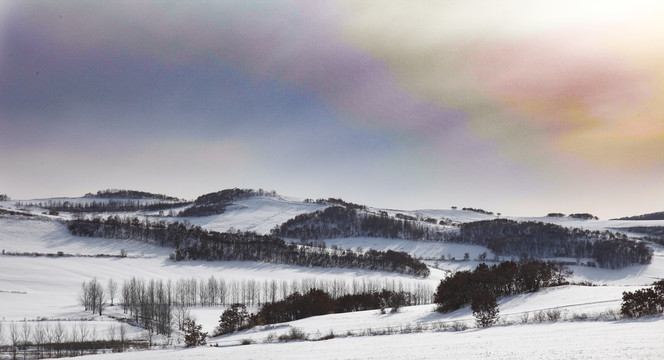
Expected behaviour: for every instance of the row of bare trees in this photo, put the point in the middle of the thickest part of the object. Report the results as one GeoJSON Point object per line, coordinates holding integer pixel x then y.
{"type": "Point", "coordinates": [220, 292]}
{"type": "Point", "coordinates": [47, 339]}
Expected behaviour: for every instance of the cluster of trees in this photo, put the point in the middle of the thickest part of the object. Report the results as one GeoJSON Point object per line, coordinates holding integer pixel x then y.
{"type": "Point", "coordinates": [157, 305]}
{"type": "Point", "coordinates": [150, 303]}
{"type": "Point", "coordinates": [195, 243]}
{"type": "Point", "coordinates": [103, 206]}
{"type": "Point", "coordinates": [129, 194]}
{"type": "Point", "coordinates": [537, 239]}
{"type": "Point", "coordinates": [337, 202]}
{"type": "Point", "coordinates": [312, 303]}
{"type": "Point", "coordinates": [216, 246]}
{"type": "Point", "coordinates": [506, 278]}
{"type": "Point", "coordinates": [584, 216]}
{"type": "Point", "coordinates": [93, 296]}
{"type": "Point", "coordinates": [339, 222]}
{"type": "Point", "coordinates": [216, 202]}
{"type": "Point", "coordinates": [651, 216]}
{"type": "Point", "coordinates": [4, 197]}
{"type": "Point", "coordinates": [481, 211]}
{"type": "Point", "coordinates": [250, 292]}
{"type": "Point", "coordinates": [648, 301]}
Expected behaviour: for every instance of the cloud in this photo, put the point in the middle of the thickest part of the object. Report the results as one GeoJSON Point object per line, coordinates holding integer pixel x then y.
{"type": "Point", "coordinates": [539, 78]}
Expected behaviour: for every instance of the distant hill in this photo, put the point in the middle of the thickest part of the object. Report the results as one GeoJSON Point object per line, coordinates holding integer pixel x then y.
{"type": "Point", "coordinates": [651, 216]}
{"type": "Point", "coordinates": [129, 194]}
{"type": "Point", "coordinates": [215, 203]}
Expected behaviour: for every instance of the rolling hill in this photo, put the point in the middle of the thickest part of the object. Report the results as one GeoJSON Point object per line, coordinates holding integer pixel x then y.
{"type": "Point", "coordinates": [43, 266]}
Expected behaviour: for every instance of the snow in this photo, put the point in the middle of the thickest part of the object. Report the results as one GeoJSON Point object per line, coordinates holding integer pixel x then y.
{"type": "Point", "coordinates": [258, 213]}
{"type": "Point", "coordinates": [564, 340]}
{"type": "Point", "coordinates": [423, 249]}
{"type": "Point", "coordinates": [33, 288]}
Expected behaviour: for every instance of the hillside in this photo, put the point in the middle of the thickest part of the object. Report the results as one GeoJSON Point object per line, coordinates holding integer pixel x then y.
{"type": "Point", "coordinates": [44, 265]}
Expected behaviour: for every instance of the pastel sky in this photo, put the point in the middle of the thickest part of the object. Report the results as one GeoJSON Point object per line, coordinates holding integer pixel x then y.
{"type": "Point", "coordinates": [517, 106]}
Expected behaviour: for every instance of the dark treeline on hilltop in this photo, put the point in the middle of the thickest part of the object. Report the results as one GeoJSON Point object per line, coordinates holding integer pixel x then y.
{"type": "Point", "coordinates": [504, 237]}
{"type": "Point", "coordinates": [103, 206]}
{"type": "Point", "coordinates": [195, 243]}
{"type": "Point", "coordinates": [652, 216]}
{"type": "Point", "coordinates": [215, 203]}
{"type": "Point", "coordinates": [537, 239]}
{"type": "Point", "coordinates": [129, 194]}
{"type": "Point", "coordinates": [339, 222]}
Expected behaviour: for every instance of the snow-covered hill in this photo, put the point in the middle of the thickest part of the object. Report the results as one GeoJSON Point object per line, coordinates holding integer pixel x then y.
{"type": "Point", "coordinates": [46, 288]}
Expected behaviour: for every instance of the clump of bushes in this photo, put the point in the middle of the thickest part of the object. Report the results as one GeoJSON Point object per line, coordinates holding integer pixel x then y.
{"type": "Point", "coordinates": [643, 302]}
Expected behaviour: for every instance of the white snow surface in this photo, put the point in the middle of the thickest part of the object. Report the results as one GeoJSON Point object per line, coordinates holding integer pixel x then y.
{"type": "Point", "coordinates": [257, 213]}
{"type": "Point", "coordinates": [41, 287]}
{"type": "Point", "coordinates": [563, 340]}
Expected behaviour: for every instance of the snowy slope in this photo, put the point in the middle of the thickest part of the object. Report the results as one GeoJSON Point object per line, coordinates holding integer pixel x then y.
{"type": "Point", "coordinates": [564, 340]}
{"type": "Point", "coordinates": [46, 287]}
{"type": "Point", "coordinates": [424, 249]}
{"type": "Point", "coordinates": [258, 213]}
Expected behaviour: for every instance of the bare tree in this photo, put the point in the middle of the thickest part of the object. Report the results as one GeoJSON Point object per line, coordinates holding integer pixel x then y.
{"type": "Point", "coordinates": [14, 338]}
{"type": "Point", "coordinates": [111, 333]}
{"type": "Point", "coordinates": [180, 315]}
{"type": "Point", "coordinates": [112, 289]}
{"type": "Point", "coordinates": [58, 335]}
{"type": "Point", "coordinates": [123, 337]}
{"type": "Point", "coordinates": [75, 338]}
{"type": "Point", "coordinates": [92, 296]}
{"type": "Point", "coordinates": [101, 299]}
{"type": "Point", "coordinates": [39, 338]}
{"type": "Point", "coordinates": [26, 334]}
{"type": "Point", "coordinates": [84, 332]}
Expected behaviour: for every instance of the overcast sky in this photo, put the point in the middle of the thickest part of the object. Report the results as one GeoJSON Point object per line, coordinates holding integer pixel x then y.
{"type": "Point", "coordinates": [518, 106]}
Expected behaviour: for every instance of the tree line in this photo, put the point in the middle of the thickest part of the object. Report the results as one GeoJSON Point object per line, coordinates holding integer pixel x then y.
{"type": "Point", "coordinates": [215, 291]}
{"type": "Point", "coordinates": [43, 340]}
{"type": "Point", "coordinates": [129, 194]}
{"type": "Point", "coordinates": [504, 279]}
{"type": "Point", "coordinates": [103, 206]}
{"type": "Point", "coordinates": [651, 216]}
{"type": "Point", "coordinates": [541, 240]}
{"type": "Point", "coordinates": [195, 243]}
{"type": "Point", "coordinates": [528, 239]}
{"type": "Point", "coordinates": [341, 222]}
{"type": "Point", "coordinates": [314, 302]}
{"type": "Point", "coordinates": [157, 305]}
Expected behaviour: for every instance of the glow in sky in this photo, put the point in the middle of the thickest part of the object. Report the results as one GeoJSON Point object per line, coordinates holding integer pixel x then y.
{"type": "Point", "coordinates": [519, 107]}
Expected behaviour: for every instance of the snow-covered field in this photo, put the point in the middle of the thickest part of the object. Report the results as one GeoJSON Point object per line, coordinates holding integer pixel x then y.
{"type": "Point", "coordinates": [42, 287]}
{"type": "Point", "coordinates": [563, 340]}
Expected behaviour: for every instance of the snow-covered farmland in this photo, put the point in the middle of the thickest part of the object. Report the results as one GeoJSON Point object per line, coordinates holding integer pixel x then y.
{"type": "Point", "coordinates": [563, 340]}
{"type": "Point", "coordinates": [45, 287]}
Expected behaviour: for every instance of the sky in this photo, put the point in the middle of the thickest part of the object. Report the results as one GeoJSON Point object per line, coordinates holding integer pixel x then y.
{"type": "Point", "coordinates": [522, 107]}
